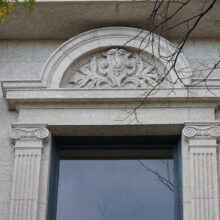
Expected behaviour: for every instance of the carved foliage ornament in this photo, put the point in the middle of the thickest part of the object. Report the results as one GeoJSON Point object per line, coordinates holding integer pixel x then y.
{"type": "Point", "coordinates": [39, 133]}
{"type": "Point", "coordinates": [116, 68]}
{"type": "Point", "coordinates": [191, 131]}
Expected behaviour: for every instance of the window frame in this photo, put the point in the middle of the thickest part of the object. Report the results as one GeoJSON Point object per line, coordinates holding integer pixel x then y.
{"type": "Point", "coordinates": [111, 143]}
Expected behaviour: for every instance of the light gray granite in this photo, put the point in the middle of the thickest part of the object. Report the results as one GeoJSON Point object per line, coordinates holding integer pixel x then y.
{"type": "Point", "coordinates": [6, 158]}
{"type": "Point", "coordinates": [33, 96]}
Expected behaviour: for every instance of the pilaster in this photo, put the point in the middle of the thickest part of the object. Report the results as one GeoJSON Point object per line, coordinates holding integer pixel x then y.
{"type": "Point", "coordinates": [203, 197]}
{"type": "Point", "coordinates": [28, 149]}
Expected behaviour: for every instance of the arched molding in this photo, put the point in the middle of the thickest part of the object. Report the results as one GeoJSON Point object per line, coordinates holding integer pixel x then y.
{"type": "Point", "coordinates": [113, 37]}
{"type": "Point", "coordinates": [49, 88]}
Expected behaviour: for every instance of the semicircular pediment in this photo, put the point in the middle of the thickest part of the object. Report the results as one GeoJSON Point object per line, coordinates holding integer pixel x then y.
{"type": "Point", "coordinates": [114, 57]}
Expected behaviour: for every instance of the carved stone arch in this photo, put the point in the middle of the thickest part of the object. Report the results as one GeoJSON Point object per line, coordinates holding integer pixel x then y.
{"type": "Point", "coordinates": [120, 43]}
{"type": "Point", "coordinates": [113, 38]}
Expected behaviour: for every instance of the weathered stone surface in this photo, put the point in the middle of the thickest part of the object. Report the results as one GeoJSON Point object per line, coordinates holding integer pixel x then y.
{"type": "Point", "coordinates": [105, 112]}
{"type": "Point", "coordinates": [116, 68]}
{"type": "Point", "coordinates": [203, 172]}
{"type": "Point", "coordinates": [6, 158]}
{"type": "Point", "coordinates": [27, 170]}
{"type": "Point", "coordinates": [48, 21]}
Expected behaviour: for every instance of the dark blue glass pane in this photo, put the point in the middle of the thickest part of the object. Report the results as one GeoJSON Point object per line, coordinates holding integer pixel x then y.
{"type": "Point", "coordinates": [115, 190]}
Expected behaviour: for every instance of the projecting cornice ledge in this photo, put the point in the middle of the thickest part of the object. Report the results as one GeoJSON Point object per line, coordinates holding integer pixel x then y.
{"type": "Point", "coordinates": [18, 97]}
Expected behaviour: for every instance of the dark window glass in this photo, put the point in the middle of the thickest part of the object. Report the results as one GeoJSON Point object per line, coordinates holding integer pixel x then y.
{"type": "Point", "coordinates": [116, 189]}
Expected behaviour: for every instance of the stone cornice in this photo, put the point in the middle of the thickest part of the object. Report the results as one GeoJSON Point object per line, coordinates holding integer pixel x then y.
{"type": "Point", "coordinates": [47, 11]}
{"type": "Point", "coordinates": [18, 97]}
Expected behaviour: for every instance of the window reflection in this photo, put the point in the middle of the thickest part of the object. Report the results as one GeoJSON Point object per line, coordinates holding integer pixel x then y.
{"type": "Point", "coordinates": [116, 190]}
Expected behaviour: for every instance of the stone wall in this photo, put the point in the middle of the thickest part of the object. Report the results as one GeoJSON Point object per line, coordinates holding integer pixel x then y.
{"type": "Point", "coordinates": [24, 60]}
{"type": "Point", "coordinates": [18, 60]}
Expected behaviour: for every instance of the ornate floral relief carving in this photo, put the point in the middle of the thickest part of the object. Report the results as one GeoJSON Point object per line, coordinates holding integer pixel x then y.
{"type": "Point", "coordinates": [116, 68]}
{"type": "Point", "coordinates": [39, 133]}
{"type": "Point", "coordinates": [192, 131]}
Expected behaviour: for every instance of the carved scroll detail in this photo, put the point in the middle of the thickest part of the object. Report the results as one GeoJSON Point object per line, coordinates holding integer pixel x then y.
{"type": "Point", "coordinates": [40, 133]}
{"type": "Point", "coordinates": [192, 131]}
{"type": "Point", "coordinates": [116, 68]}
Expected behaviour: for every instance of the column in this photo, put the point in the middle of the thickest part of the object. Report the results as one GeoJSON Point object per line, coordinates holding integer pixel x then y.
{"type": "Point", "coordinates": [28, 149]}
{"type": "Point", "coordinates": [202, 171]}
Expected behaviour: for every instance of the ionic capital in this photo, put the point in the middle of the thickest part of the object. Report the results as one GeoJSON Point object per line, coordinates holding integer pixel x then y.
{"type": "Point", "coordinates": [203, 135]}
{"type": "Point", "coordinates": [29, 133]}
{"type": "Point", "coordinates": [201, 131]}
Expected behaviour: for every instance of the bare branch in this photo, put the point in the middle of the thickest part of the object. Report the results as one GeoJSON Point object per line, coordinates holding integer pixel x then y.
{"type": "Point", "coordinates": [167, 182]}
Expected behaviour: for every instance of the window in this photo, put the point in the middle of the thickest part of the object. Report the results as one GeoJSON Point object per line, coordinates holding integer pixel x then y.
{"type": "Point", "coordinates": [124, 178]}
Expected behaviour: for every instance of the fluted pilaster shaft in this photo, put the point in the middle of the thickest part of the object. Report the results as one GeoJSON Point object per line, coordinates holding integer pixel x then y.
{"type": "Point", "coordinates": [24, 196]}
{"type": "Point", "coordinates": [202, 147]}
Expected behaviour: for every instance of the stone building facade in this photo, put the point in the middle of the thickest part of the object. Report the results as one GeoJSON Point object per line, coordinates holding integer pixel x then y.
{"type": "Point", "coordinates": [70, 68]}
